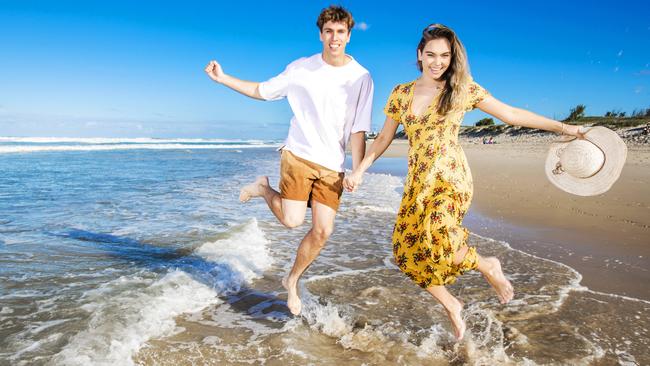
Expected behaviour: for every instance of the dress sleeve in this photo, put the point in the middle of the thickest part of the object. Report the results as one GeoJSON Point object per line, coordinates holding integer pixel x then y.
{"type": "Point", "coordinates": [363, 117]}
{"type": "Point", "coordinates": [394, 105]}
{"type": "Point", "coordinates": [476, 95]}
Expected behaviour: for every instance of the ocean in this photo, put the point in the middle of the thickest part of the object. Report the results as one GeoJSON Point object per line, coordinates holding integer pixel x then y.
{"type": "Point", "coordinates": [138, 252]}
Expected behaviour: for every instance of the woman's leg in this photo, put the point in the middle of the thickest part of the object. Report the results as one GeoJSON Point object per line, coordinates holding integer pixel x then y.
{"type": "Point", "coordinates": [452, 305]}
{"type": "Point", "coordinates": [490, 267]}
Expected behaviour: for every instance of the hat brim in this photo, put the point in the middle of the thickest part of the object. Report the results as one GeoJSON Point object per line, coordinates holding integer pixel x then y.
{"type": "Point", "coordinates": [615, 152]}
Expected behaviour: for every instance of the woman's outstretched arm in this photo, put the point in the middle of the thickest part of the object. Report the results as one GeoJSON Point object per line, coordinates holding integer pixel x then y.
{"type": "Point", "coordinates": [521, 117]}
{"type": "Point", "coordinates": [353, 180]}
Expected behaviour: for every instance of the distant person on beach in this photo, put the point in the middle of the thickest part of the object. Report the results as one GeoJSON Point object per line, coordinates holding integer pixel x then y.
{"type": "Point", "coordinates": [429, 241]}
{"type": "Point", "coordinates": [330, 95]}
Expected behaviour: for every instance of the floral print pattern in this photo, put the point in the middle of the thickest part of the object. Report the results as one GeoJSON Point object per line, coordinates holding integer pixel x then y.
{"type": "Point", "coordinates": [437, 190]}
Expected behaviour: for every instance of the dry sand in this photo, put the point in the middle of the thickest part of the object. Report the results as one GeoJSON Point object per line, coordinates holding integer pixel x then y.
{"type": "Point", "coordinates": [606, 237]}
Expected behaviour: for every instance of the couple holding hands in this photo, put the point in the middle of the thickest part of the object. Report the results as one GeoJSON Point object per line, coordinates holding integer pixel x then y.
{"type": "Point", "coordinates": [331, 95]}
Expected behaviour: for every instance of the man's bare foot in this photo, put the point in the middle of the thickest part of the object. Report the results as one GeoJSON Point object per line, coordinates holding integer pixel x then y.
{"type": "Point", "coordinates": [455, 316]}
{"type": "Point", "coordinates": [293, 301]}
{"type": "Point", "coordinates": [494, 275]}
{"type": "Point", "coordinates": [254, 189]}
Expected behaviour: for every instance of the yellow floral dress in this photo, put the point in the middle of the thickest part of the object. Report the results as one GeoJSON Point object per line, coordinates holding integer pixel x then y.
{"type": "Point", "coordinates": [437, 190]}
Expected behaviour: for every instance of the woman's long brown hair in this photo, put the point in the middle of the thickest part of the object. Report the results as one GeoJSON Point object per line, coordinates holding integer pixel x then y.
{"type": "Point", "coordinates": [457, 76]}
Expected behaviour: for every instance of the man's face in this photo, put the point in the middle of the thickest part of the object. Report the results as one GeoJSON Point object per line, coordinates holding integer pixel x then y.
{"type": "Point", "coordinates": [335, 36]}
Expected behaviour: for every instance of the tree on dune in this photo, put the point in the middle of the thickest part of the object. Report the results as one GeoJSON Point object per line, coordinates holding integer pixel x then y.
{"type": "Point", "coordinates": [485, 122]}
{"type": "Point", "coordinates": [576, 113]}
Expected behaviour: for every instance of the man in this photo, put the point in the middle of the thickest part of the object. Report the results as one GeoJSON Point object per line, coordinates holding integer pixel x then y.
{"type": "Point", "coordinates": [330, 95]}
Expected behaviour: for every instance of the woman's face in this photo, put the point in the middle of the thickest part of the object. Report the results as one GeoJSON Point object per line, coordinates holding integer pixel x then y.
{"type": "Point", "coordinates": [435, 58]}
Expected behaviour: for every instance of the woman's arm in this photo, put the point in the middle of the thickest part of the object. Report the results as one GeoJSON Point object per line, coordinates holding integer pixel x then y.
{"type": "Point", "coordinates": [353, 180]}
{"type": "Point", "coordinates": [521, 117]}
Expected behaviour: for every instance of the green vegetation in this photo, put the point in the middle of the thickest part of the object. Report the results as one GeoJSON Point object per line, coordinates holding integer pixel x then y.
{"type": "Point", "coordinates": [614, 114]}
{"type": "Point", "coordinates": [611, 119]}
{"type": "Point", "coordinates": [485, 122]}
{"type": "Point", "coordinates": [487, 130]}
{"type": "Point", "coordinates": [576, 113]}
{"type": "Point", "coordinates": [641, 113]}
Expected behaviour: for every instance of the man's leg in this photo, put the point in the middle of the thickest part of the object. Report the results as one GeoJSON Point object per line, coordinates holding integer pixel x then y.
{"type": "Point", "coordinates": [311, 245]}
{"type": "Point", "coordinates": [296, 180]}
{"type": "Point", "coordinates": [290, 213]}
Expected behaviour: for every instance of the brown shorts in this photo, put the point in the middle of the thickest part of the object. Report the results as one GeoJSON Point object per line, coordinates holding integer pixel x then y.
{"type": "Point", "coordinates": [302, 180]}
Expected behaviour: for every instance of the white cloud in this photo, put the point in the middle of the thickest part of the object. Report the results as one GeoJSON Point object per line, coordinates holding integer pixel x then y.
{"type": "Point", "coordinates": [362, 26]}
{"type": "Point", "coordinates": [638, 90]}
{"type": "Point", "coordinates": [616, 69]}
{"type": "Point", "coordinates": [620, 53]}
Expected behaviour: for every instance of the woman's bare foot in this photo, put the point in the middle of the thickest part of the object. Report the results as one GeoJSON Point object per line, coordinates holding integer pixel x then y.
{"type": "Point", "coordinates": [254, 189]}
{"type": "Point", "coordinates": [494, 275]}
{"type": "Point", "coordinates": [293, 301]}
{"type": "Point", "coordinates": [454, 312]}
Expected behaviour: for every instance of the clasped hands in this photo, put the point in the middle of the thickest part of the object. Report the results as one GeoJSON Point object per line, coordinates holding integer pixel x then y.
{"type": "Point", "coordinates": [352, 181]}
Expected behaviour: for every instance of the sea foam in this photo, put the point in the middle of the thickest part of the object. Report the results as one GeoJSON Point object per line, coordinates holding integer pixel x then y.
{"type": "Point", "coordinates": [123, 320]}
{"type": "Point", "coordinates": [117, 140]}
{"type": "Point", "coordinates": [131, 310]}
{"type": "Point", "coordinates": [38, 148]}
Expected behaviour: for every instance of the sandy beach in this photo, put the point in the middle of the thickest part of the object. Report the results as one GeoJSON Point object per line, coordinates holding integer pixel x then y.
{"type": "Point", "coordinates": [604, 237]}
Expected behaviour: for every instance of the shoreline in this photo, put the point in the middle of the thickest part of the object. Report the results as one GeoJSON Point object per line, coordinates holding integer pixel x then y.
{"type": "Point", "coordinates": [605, 237]}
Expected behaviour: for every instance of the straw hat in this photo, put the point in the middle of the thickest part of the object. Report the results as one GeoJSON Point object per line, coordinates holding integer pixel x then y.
{"type": "Point", "coordinates": [586, 167]}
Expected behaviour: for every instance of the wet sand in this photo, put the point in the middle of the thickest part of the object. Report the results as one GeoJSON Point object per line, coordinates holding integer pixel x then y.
{"type": "Point", "coordinates": [606, 238]}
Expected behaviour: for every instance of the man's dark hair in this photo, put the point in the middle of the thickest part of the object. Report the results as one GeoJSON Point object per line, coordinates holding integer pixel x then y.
{"type": "Point", "coordinates": [335, 13]}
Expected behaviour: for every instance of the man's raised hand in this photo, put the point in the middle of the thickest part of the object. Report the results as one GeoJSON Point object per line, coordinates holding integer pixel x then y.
{"type": "Point", "coordinates": [214, 71]}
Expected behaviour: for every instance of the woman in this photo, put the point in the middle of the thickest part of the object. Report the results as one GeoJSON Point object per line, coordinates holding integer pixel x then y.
{"type": "Point", "coordinates": [429, 243]}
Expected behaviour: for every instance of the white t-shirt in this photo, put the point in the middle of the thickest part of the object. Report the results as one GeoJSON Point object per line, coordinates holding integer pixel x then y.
{"type": "Point", "coordinates": [328, 102]}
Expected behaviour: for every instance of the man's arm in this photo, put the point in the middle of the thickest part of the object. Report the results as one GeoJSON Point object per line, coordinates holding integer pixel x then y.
{"type": "Point", "coordinates": [357, 148]}
{"type": "Point", "coordinates": [248, 88]}
{"type": "Point", "coordinates": [362, 122]}
{"type": "Point", "coordinates": [353, 180]}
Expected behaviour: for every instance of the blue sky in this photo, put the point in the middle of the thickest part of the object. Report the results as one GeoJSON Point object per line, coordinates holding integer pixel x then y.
{"type": "Point", "coordinates": [135, 68]}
